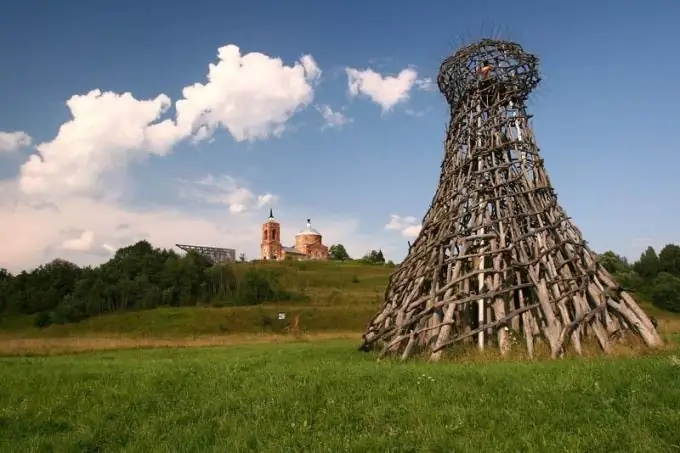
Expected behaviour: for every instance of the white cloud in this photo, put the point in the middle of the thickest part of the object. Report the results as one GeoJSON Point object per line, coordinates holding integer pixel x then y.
{"type": "Point", "coordinates": [411, 231]}
{"type": "Point", "coordinates": [426, 84]}
{"type": "Point", "coordinates": [408, 226]}
{"type": "Point", "coordinates": [333, 118]}
{"type": "Point", "coordinates": [82, 243]}
{"type": "Point", "coordinates": [31, 235]}
{"type": "Point", "coordinates": [14, 141]}
{"type": "Point", "coordinates": [106, 132]}
{"type": "Point", "coordinates": [251, 95]}
{"type": "Point", "coordinates": [386, 91]}
{"type": "Point", "coordinates": [225, 190]}
{"type": "Point", "coordinates": [88, 231]}
{"type": "Point", "coordinates": [266, 200]}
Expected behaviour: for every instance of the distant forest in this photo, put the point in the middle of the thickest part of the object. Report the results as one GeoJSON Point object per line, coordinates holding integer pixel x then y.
{"type": "Point", "coordinates": [143, 277]}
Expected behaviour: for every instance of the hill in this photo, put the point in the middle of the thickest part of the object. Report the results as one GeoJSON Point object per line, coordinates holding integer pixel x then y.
{"type": "Point", "coordinates": [323, 296]}
{"type": "Point", "coordinates": [147, 296]}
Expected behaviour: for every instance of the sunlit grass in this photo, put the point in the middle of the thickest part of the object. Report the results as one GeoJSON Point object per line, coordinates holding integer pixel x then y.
{"type": "Point", "coordinates": [326, 397]}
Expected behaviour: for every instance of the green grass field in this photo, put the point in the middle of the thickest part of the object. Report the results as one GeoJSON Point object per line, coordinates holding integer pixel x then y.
{"type": "Point", "coordinates": [141, 383]}
{"type": "Point", "coordinates": [328, 398]}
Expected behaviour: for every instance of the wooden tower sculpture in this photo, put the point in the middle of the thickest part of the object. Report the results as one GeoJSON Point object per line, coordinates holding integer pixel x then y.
{"type": "Point", "coordinates": [497, 255]}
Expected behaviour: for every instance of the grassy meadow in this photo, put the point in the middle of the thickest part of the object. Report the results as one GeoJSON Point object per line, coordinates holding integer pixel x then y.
{"type": "Point", "coordinates": [236, 379]}
{"type": "Point", "coordinates": [326, 397]}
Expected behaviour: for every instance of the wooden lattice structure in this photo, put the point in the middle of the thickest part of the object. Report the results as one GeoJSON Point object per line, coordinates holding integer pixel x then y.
{"type": "Point", "coordinates": [497, 255]}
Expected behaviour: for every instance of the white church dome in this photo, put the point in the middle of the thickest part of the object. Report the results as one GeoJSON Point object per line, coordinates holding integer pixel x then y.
{"type": "Point", "coordinates": [308, 231]}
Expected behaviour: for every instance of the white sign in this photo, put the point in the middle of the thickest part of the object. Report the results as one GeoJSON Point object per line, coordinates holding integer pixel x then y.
{"type": "Point", "coordinates": [282, 316]}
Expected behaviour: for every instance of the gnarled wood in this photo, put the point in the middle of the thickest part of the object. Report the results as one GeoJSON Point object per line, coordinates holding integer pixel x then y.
{"type": "Point", "coordinates": [497, 253]}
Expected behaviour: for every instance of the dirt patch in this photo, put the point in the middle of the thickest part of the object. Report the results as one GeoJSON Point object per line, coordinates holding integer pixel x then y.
{"type": "Point", "coordinates": [59, 346]}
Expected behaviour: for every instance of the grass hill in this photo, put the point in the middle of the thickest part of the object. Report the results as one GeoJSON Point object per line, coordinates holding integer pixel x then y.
{"type": "Point", "coordinates": [330, 296]}
{"type": "Point", "coordinates": [333, 300]}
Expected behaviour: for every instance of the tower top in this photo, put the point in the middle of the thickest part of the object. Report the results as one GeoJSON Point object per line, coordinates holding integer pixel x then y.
{"type": "Point", "coordinates": [271, 218]}
{"type": "Point", "coordinates": [505, 62]}
{"type": "Point", "coordinates": [309, 231]}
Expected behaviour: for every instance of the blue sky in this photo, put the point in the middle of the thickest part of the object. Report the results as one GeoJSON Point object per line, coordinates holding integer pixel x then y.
{"type": "Point", "coordinates": [605, 119]}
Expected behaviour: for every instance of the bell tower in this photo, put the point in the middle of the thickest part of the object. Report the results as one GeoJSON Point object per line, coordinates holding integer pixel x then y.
{"type": "Point", "coordinates": [270, 246]}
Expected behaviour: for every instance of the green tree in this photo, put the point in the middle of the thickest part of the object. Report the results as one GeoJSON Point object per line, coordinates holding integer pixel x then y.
{"type": "Point", "coordinates": [42, 319]}
{"type": "Point", "coordinates": [669, 259]}
{"type": "Point", "coordinates": [613, 263]}
{"type": "Point", "coordinates": [666, 292]}
{"type": "Point", "coordinates": [338, 252]}
{"type": "Point", "coordinates": [222, 282]}
{"type": "Point", "coordinates": [648, 264]}
{"type": "Point", "coordinates": [258, 286]}
{"type": "Point", "coordinates": [374, 257]}
{"type": "Point", "coordinates": [5, 282]}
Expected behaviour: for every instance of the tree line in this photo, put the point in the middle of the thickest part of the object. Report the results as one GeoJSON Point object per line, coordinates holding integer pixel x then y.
{"type": "Point", "coordinates": [143, 277]}
{"type": "Point", "coordinates": [338, 252]}
{"type": "Point", "coordinates": [654, 277]}
{"type": "Point", "coordinates": [136, 277]}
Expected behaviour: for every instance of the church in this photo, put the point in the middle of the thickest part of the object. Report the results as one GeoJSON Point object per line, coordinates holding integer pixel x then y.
{"type": "Point", "coordinates": [308, 243]}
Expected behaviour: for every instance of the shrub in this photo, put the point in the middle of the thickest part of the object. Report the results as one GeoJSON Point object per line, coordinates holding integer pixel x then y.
{"type": "Point", "coordinates": [42, 320]}
{"type": "Point", "coordinates": [666, 292]}
{"type": "Point", "coordinates": [70, 310]}
{"type": "Point", "coordinates": [301, 265]}
{"type": "Point", "coordinates": [258, 286]}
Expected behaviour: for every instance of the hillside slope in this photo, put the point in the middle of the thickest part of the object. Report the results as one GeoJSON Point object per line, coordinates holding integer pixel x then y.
{"type": "Point", "coordinates": [333, 297]}
{"type": "Point", "coordinates": [337, 297]}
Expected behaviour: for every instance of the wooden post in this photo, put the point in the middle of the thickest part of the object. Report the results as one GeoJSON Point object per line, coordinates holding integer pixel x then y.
{"type": "Point", "coordinates": [481, 305]}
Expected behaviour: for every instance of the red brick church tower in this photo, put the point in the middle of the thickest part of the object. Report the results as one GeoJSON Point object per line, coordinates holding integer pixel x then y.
{"type": "Point", "coordinates": [271, 239]}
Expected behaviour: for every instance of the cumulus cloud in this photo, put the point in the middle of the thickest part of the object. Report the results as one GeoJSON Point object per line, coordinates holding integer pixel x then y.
{"type": "Point", "coordinates": [385, 90]}
{"type": "Point", "coordinates": [333, 119]}
{"type": "Point", "coordinates": [14, 141]}
{"type": "Point", "coordinates": [408, 226]}
{"type": "Point", "coordinates": [106, 132]}
{"type": "Point", "coordinates": [251, 95]}
{"type": "Point", "coordinates": [225, 190]}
